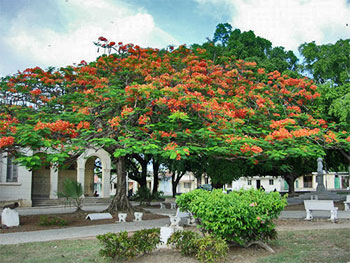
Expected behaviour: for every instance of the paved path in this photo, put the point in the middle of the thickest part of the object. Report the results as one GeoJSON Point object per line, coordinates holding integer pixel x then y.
{"type": "Point", "coordinates": [78, 232]}
{"type": "Point", "coordinates": [91, 231]}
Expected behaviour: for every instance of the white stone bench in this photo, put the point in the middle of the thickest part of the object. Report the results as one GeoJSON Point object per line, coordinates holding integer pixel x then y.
{"type": "Point", "coordinates": [320, 205]}
{"type": "Point", "coordinates": [170, 201]}
{"type": "Point", "coordinates": [347, 203]}
{"type": "Point", "coordinates": [176, 219]}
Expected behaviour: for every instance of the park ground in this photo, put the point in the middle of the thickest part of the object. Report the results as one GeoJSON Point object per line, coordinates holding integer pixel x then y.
{"type": "Point", "coordinates": [298, 241]}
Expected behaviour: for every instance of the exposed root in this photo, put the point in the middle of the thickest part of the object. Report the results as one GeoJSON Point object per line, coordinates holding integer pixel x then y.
{"type": "Point", "coordinates": [262, 245]}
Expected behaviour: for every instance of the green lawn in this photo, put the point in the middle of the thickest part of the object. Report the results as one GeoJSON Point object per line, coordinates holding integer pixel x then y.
{"type": "Point", "coordinates": [328, 246]}
{"type": "Point", "coordinates": [291, 247]}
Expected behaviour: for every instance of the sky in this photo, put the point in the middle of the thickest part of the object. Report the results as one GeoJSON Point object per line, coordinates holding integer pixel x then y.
{"type": "Point", "coordinates": [61, 32]}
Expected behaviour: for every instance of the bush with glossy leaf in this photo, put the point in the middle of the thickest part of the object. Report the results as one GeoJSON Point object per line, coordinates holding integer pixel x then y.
{"type": "Point", "coordinates": [240, 216]}
{"type": "Point", "coordinates": [206, 249]}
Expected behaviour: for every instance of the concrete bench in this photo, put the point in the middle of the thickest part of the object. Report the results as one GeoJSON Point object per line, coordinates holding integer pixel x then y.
{"type": "Point", "coordinates": [170, 201]}
{"type": "Point", "coordinates": [347, 203]}
{"type": "Point", "coordinates": [320, 205]}
{"type": "Point", "coordinates": [176, 219]}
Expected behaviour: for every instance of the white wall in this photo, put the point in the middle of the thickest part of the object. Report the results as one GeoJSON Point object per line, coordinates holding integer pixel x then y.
{"type": "Point", "coordinates": [20, 191]}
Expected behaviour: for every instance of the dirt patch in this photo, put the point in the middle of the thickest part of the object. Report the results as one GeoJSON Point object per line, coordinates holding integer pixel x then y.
{"type": "Point", "coordinates": [32, 222]}
{"type": "Point", "coordinates": [236, 254]}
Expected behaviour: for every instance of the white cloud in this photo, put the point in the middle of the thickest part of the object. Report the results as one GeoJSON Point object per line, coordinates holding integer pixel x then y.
{"type": "Point", "coordinates": [85, 21]}
{"type": "Point", "coordinates": [290, 23]}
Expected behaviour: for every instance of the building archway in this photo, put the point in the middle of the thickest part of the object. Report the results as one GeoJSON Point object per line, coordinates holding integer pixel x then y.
{"type": "Point", "coordinates": [105, 159]}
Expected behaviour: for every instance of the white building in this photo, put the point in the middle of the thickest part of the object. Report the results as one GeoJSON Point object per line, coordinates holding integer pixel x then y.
{"type": "Point", "coordinates": [21, 185]}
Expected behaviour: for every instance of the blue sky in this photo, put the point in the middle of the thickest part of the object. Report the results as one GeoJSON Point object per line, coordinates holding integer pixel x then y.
{"type": "Point", "coordinates": [61, 32]}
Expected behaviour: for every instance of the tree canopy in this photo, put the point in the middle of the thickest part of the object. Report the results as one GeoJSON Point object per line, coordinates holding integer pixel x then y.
{"type": "Point", "coordinates": [175, 103]}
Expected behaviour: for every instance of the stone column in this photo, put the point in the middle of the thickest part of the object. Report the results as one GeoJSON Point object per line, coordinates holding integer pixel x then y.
{"type": "Point", "coordinates": [81, 177]}
{"type": "Point", "coordinates": [106, 185]}
{"type": "Point", "coordinates": [53, 182]}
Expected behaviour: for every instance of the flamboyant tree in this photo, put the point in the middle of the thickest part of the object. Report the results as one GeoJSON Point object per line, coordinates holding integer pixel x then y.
{"type": "Point", "coordinates": [172, 104]}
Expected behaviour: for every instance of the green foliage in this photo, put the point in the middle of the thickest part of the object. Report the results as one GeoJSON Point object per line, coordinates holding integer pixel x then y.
{"type": "Point", "coordinates": [73, 193]}
{"type": "Point", "coordinates": [206, 249]}
{"type": "Point", "coordinates": [146, 240]}
{"type": "Point", "coordinates": [328, 62]}
{"type": "Point", "coordinates": [123, 247]}
{"type": "Point", "coordinates": [211, 249]}
{"type": "Point", "coordinates": [240, 216]}
{"type": "Point", "coordinates": [185, 241]}
{"type": "Point", "coordinates": [117, 245]}
{"type": "Point", "coordinates": [52, 221]}
{"type": "Point", "coordinates": [144, 195]}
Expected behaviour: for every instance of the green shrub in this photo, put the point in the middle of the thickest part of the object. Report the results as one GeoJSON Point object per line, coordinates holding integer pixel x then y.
{"type": "Point", "coordinates": [144, 195]}
{"type": "Point", "coordinates": [211, 249]}
{"type": "Point", "coordinates": [240, 216]}
{"type": "Point", "coordinates": [117, 245]}
{"type": "Point", "coordinates": [146, 240]}
{"type": "Point", "coordinates": [123, 247]}
{"type": "Point", "coordinates": [185, 241]}
{"type": "Point", "coordinates": [205, 249]}
{"type": "Point", "coordinates": [159, 195]}
{"type": "Point", "coordinates": [52, 221]}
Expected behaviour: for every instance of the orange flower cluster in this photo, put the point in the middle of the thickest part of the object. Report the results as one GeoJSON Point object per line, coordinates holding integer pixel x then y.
{"type": "Point", "coordinates": [305, 132]}
{"type": "Point", "coordinates": [281, 123]}
{"type": "Point", "coordinates": [167, 134]}
{"type": "Point", "coordinates": [83, 125]}
{"type": "Point", "coordinates": [114, 122]}
{"type": "Point", "coordinates": [6, 141]}
{"type": "Point", "coordinates": [294, 108]}
{"type": "Point", "coordinates": [5, 124]}
{"type": "Point", "coordinates": [247, 148]}
{"type": "Point", "coordinates": [64, 127]}
{"type": "Point", "coordinates": [330, 137]}
{"type": "Point", "coordinates": [170, 146]}
{"type": "Point", "coordinates": [35, 92]}
{"type": "Point", "coordinates": [143, 119]}
{"type": "Point", "coordinates": [84, 111]}
{"type": "Point", "coordinates": [281, 134]}
{"type": "Point", "coordinates": [126, 111]}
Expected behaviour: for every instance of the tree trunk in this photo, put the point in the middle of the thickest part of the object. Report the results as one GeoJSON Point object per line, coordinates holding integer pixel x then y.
{"type": "Point", "coordinates": [290, 181]}
{"type": "Point", "coordinates": [173, 184]}
{"type": "Point", "coordinates": [175, 181]}
{"type": "Point", "coordinates": [155, 177]}
{"type": "Point", "coordinates": [120, 202]}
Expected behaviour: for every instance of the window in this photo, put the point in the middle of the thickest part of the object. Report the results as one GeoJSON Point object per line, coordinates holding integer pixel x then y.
{"type": "Point", "coordinates": [271, 182]}
{"type": "Point", "coordinates": [249, 182]}
{"type": "Point", "coordinates": [229, 185]}
{"type": "Point", "coordinates": [187, 185]}
{"type": "Point", "coordinates": [11, 170]}
{"type": "Point", "coordinates": [307, 181]}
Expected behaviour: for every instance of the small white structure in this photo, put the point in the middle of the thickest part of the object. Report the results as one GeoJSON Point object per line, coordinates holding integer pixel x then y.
{"type": "Point", "coordinates": [347, 203]}
{"type": "Point", "coordinates": [9, 217]}
{"type": "Point", "coordinates": [321, 205]}
{"type": "Point", "coordinates": [165, 233]}
{"type": "Point", "coordinates": [176, 219]}
{"type": "Point", "coordinates": [122, 217]}
{"type": "Point", "coordinates": [138, 216]}
{"type": "Point", "coordinates": [99, 216]}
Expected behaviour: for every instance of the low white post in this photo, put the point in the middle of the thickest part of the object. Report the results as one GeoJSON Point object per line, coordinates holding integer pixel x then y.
{"type": "Point", "coordinates": [122, 217]}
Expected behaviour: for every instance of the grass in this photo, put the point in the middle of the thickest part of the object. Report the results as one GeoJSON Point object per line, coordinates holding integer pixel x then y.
{"type": "Point", "coordinates": [53, 251]}
{"type": "Point", "coordinates": [291, 247]}
{"type": "Point", "coordinates": [321, 246]}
